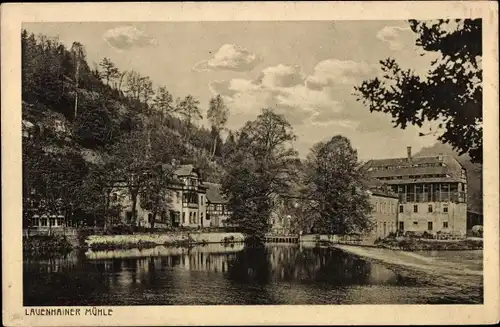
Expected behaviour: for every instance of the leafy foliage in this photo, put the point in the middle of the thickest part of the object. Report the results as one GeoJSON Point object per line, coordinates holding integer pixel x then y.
{"type": "Point", "coordinates": [258, 169]}
{"type": "Point", "coordinates": [114, 115]}
{"type": "Point", "coordinates": [450, 94]}
{"type": "Point", "coordinates": [217, 115]}
{"type": "Point", "coordinates": [335, 185]}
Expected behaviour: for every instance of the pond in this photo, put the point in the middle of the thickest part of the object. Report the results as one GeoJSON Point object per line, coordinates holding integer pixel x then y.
{"type": "Point", "coordinates": [234, 274]}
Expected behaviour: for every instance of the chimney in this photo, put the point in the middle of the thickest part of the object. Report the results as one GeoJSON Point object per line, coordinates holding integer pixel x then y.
{"type": "Point", "coordinates": [408, 149]}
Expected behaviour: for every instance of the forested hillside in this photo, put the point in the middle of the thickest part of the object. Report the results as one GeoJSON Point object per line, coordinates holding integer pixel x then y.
{"type": "Point", "coordinates": [474, 173]}
{"type": "Point", "coordinates": [86, 126]}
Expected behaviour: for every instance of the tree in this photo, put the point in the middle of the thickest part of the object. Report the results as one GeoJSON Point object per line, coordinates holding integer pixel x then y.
{"type": "Point", "coordinates": [121, 76]}
{"type": "Point", "coordinates": [146, 89]}
{"type": "Point", "coordinates": [258, 169]}
{"type": "Point", "coordinates": [78, 55]}
{"type": "Point", "coordinates": [335, 186]}
{"type": "Point", "coordinates": [163, 102]}
{"type": "Point", "coordinates": [155, 193]}
{"type": "Point", "coordinates": [51, 180]}
{"type": "Point", "coordinates": [134, 84]}
{"type": "Point", "coordinates": [217, 115]}
{"type": "Point", "coordinates": [451, 92]}
{"type": "Point", "coordinates": [93, 127]}
{"type": "Point", "coordinates": [109, 70]}
{"type": "Point", "coordinates": [131, 165]}
{"type": "Point", "coordinates": [190, 111]}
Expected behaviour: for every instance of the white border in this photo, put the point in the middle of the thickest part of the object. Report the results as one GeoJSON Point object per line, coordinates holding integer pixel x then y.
{"type": "Point", "coordinates": [12, 15]}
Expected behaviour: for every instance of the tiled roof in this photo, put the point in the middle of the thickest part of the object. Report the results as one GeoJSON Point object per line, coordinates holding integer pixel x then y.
{"type": "Point", "coordinates": [406, 167]}
{"type": "Point", "coordinates": [423, 180]}
{"type": "Point", "coordinates": [403, 161]}
{"type": "Point", "coordinates": [214, 194]}
{"type": "Point", "coordinates": [406, 171]}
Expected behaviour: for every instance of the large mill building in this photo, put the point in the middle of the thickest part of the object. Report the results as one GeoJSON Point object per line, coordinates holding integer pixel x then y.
{"type": "Point", "coordinates": [432, 192]}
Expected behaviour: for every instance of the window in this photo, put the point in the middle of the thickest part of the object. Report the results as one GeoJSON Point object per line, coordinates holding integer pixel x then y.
{"type": "Point", "coordinates": [415, 208]}
{"type": "Point", "coordinates": [178, 197]}
{"type": "Point", "coordinates": [445, 224]}
{"type": "Point", "coordinates": [183, 217]}
{"type": "Point", "coordinates": [430, 208]}
{"type": "Point", "coordinates": [44, 221]}
{"type": "Point", "coordinates": [190, 217]}
{"type": "Point", "coordinates": [415, 223]}
{"type": "Point", "coordinates": [401, 225]}
{"type": "Point", "coordinates": [429, 225]}
{"type": "Point", "coordinates": [445, 208]}
{"type": "Point", "coordinates": [401, 209]}
{"type": "Point", "coordinates": [60, 221]}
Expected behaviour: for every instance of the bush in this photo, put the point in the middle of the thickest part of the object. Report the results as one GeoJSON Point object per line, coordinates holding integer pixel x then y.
{"type": "Point", "coordinates": [120, 230]}
{"type": "Point", "coordinates": [427, 235]}
{"type": "Point", "coordinates": [392, 235]}
{"type": "Point", "coordinates": [44, 246]}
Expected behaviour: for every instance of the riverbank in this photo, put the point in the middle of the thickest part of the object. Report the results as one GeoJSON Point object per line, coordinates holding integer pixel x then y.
{"type": "Point", "coordinates": [45, 246]}
{"type": "Point", "coordinates": [144, 241]}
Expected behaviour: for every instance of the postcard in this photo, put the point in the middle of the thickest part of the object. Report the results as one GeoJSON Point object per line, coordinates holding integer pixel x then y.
{"type": "Point", "coordinates": [242, 163]}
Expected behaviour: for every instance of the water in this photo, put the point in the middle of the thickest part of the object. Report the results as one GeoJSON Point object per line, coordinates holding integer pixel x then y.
{"type": "Point", "coordinates": [218, 274]}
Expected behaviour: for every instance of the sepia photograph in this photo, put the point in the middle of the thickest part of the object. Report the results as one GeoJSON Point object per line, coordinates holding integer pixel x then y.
{"type": "Point", "coordinates": [252, 162]}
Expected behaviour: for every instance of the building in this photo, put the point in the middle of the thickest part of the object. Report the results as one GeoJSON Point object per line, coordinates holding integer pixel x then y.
{"type": "Point", "coordinates": [384, 215]}
{"type": "Point", "coordinates": [289, 214]}
{"type": "Point", "coordinates": [432, 192]}
{"type": "Point", "coordinates": [217, 206]}
{"type": "Point", "coordinates": [186, 201]}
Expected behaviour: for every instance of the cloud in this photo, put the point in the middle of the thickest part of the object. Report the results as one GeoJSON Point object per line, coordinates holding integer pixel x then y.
{"type": "Point", "coordinates": [288, 91]}
{"type": "Point", "coordinates": [319, 112]}
{"type": "Point", "coordinates": [281, 76]}
{"type": "Point", "coordinates": [334, 72]}
{"type": "Point", "coordinates": [127, 37]}
{"type": "Point", "coordinates": [396, 37]}
{"type": "Point", "coordinates": [229, 57]}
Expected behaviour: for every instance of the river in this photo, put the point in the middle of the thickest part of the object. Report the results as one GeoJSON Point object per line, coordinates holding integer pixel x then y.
{"type": "Point", "coordinates": [277, 274]}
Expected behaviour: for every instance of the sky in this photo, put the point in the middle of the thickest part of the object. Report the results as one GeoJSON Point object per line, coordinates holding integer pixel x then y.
{"type": "Point", "coordinates": [305, 70]}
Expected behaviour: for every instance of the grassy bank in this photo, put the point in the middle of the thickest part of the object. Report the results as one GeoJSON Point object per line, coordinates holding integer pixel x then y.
{"type": "Point", "coordinates": [45, 246]}
{"type": "Point", "coordinates": [144, 241]}
{"type": "Point", "coordinates": [429, 245]}
{"type": "Point", "coordinates": [139, 245]}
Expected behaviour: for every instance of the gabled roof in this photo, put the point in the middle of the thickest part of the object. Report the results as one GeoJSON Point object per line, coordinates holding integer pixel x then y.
{"type": "Point", "coordinates": [185, 170]}
{"type": "Point", "coordinates": [214, 194]}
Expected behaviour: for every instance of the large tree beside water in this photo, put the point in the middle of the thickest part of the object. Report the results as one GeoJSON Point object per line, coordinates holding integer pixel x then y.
{"type": "Point", "coordinates": [258, 168]}
{"type": "Point", "coordinates": [335, 187]}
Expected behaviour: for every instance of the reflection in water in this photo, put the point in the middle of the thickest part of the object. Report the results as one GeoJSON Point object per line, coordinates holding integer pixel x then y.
{"type": "Point", "coordinates": [216, 274]}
